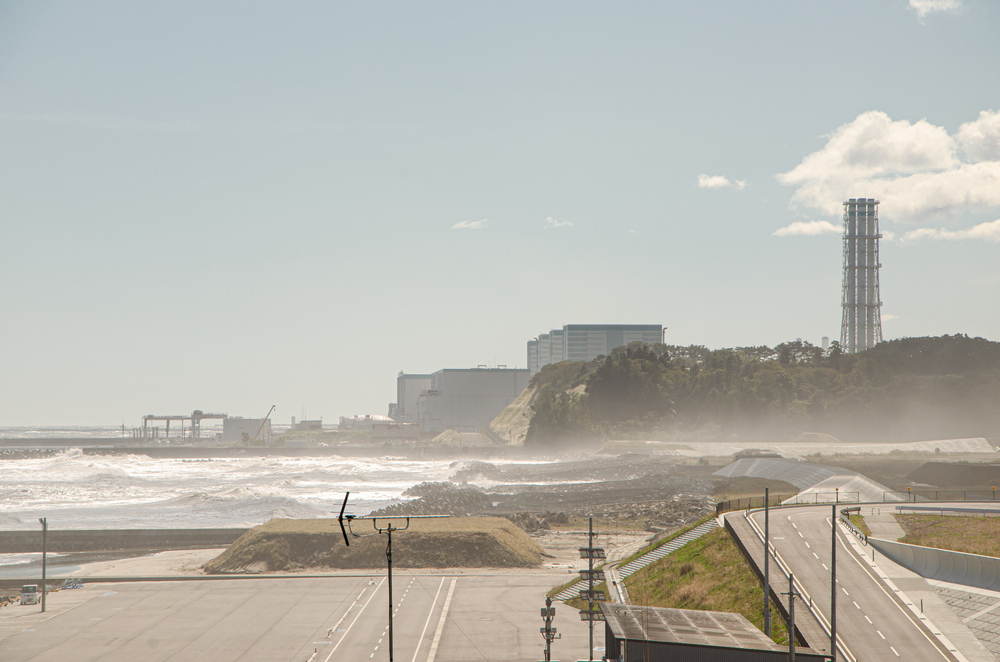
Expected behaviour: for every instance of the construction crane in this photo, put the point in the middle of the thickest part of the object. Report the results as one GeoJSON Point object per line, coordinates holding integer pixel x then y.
{"type": "Point", "coordinates": [263, 422]}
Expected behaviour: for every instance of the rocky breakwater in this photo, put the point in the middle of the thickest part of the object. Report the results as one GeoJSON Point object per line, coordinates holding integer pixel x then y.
{"type": "Point", "coordinates": [628, 490]}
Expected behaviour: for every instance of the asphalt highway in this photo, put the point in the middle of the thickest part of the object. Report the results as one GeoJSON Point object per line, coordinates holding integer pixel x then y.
{"type": "Point", "coordinates": [873, 623]}
{"type": "Point", "coordinates": [436, 619]}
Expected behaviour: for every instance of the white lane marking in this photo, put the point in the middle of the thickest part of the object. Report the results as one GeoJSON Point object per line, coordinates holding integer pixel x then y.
{"type": "Point", "coordinates": [824, 567]}
{"type": "Point", "coordinates": [856, 604]}
{"type": "Point", "coordinates": [800, 534]}
{"type": "Point", "coordinates": [793, 523]}
{"type": "Point", "coordinates": [868, 619]}
{"type": "Point", "coordinates": [428, 621]}
{"type": "Point", "coordinates": [330, 632]}
{"type": "Point", "coordinates": [444, 617]}
{"type": "Point", "coordinates": [807, 545]}
{"type": "Point", "coordinates": [343, 636]}
{"type": "Point", "coordinates": [814, 554]}
{"type": "Point", "coordinates": [880, 634]}
{"type": "Point", "coordinates": [845, 592]}
{"type": "Point", "coordinates": [936, 643]}
{"type": "Point", "coordinates": [893, 650]}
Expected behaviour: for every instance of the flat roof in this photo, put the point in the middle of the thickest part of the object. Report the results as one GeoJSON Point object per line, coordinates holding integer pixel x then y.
{"type": "Point", "coordinates": [613, 327]}
{"type": "Point", "coordinates": [689, 626]}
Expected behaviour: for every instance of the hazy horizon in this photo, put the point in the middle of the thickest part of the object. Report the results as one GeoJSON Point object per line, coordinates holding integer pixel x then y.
{"type": "Point", "coordinates": [226, 206]}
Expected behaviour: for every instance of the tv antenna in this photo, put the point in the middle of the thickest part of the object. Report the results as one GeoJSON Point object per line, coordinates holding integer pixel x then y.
{"type": "Point", "coordinates": [387, 527]}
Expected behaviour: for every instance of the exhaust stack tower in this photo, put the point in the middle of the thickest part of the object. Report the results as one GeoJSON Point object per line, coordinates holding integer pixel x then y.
{"type": "Point", "coordinates": [861, 324]}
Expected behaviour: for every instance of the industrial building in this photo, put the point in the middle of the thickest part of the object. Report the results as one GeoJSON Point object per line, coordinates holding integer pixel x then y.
{"type": "Point", "coordinates": [408, 389]}
{"type": "Point", "coordinates": [467, 400]}
{"type": "Point", "coordinates": [585, 342]}
{"type": "Point", "coordinates": [861, 323]}
{"type": "Point", "coordinates": [633, 633]}
{"type": "Point", "coordinates": [236, 430]}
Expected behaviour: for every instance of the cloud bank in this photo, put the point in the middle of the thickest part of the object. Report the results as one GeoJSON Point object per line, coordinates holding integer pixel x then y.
{"type": "Point", "coordinates": [553, 223]}
{"type": "Point", "coordinates": [469, 225]}
{"type": "Point", "coordinates": [720, 181]}
{"type": "Point", "coordinates": [914, 169]}
{"type": "Point", "coordinates": [807, 229]}
{"type": "Point", "coordinates": [984, 231]}
{"type": "Point", "coordinates": [925, 7]}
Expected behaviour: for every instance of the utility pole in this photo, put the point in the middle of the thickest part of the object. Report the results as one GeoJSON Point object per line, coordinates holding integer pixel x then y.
{"type": "Point", "coordinates": [44, 521]}
{"type": "Point", "coordinates": [590, 553]}
{"type": "Point", "coordinates": [833, 589]}
{"type": "Point", "coordinates": [791, 617]}
{"type": "Point", "coordinates": [549, 632]}
{"type": "Point", "coordinates": [767, 555]}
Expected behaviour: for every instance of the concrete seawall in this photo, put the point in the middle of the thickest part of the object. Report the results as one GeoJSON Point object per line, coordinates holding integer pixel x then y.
{"type": "Point", "coordinates": [100, 540]}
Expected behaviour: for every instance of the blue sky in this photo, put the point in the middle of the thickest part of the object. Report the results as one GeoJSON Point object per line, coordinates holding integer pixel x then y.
{"type": "Point", "coordinates": [227, 206]}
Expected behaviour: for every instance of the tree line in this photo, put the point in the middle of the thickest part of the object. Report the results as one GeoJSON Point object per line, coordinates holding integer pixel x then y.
{"type": "Point", "coordinates": [907, 389]}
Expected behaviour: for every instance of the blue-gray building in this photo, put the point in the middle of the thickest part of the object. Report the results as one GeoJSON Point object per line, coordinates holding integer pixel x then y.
{"type": "Point", "coordinates": [585, 342]}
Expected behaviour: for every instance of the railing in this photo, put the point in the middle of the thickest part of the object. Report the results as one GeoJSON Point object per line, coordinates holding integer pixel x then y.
{"type": "Point", "coordinates": [845, 518]}
{"type": "Point", "coordinates": [745, 503]}
{"type": "Point", "coordinates": [889, 496]}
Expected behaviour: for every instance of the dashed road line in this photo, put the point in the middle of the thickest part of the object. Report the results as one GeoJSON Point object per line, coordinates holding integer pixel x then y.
{"type": "Point", "coordinates": [893, 650]}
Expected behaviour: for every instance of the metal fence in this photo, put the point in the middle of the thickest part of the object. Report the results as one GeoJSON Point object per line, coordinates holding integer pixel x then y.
{"type": "Point", "coordinates": [889, 496]}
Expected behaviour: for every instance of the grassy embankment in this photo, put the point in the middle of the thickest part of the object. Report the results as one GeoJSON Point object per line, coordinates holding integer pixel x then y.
{"type": "Point", "coordinates": [859, 521]}
{"type": "Point", "coordinates": [972, 535]}
{"type": "Point", "coordinates": [710, 574]}
{"type": "Point", "coordinates": [284, 545]}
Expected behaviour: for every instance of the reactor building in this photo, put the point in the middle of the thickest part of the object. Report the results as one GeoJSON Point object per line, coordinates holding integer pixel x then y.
{"type": "Point", "coordinates": [861, 322]}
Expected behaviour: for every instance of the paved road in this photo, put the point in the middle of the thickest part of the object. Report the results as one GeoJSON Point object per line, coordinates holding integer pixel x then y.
{"type": "Point", "coordinates": [489, 617]}
{"type": "Point", "coordinates": [873, 623]}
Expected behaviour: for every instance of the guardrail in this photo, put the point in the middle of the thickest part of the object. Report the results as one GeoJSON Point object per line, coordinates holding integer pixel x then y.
{"type": "Point", "coordinates": [845, 518]}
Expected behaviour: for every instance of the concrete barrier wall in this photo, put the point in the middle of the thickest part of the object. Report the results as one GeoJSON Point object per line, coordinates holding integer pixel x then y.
{"type": "Point", "coordinates": [24, 542]}
{"type": "Point", "coordinates": [942, 564]}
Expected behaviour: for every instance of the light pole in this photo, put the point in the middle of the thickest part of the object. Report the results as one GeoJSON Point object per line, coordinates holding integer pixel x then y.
{"type": "Point", "coordinates": [45, 530]}
{"type": "Point", "coordinates": [767, 554]}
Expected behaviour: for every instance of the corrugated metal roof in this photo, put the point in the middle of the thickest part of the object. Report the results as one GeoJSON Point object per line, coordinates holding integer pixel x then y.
{"type": "Point", "coordinates": [685, 626]}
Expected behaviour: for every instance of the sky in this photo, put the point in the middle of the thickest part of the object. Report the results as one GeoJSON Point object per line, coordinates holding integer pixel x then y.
{"type": "Point", "coordinates": [231, 205]}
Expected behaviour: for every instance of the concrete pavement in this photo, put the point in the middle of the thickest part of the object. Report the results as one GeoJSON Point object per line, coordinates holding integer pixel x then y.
{"type": "Point", "coordinates": [873, 623]}
{"type": "Point", "coordinates": [488, 617]}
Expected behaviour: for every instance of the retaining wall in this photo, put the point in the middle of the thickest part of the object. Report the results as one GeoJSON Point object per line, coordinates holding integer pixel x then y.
{"type": "Point", "coordinates": [943, 564]}
{"type": "Point", "coordinates": [24, 542]}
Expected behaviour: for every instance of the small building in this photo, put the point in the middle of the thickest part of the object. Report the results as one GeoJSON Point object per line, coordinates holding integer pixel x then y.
{"type": "Point", "coordinates": [408, 389]}
{"type": "Point", "coordinates": [633, 633]}
{"type": "Point", "coordinates": [306, 425]}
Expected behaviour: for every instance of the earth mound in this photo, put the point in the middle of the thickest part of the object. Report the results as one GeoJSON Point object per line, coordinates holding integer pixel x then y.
{"type": "Point", "coordinates": [285, 545]}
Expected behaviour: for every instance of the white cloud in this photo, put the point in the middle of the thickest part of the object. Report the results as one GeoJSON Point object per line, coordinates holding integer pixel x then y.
{"type": "Point", "coordinates": [985, 231]}
{"type": "Point", "coordinates": [720, 181]}
{"type": "Point", "coordinates": [913, 169]}
{"type": "Point", "coordinates": [469, 225]}
{"type": "Point", "coordinates": [553, 223]}
{"type": "Point", "coordinates": [980, 140]}
{"type": "Point", "coordinates": [924, 7]}
{"type": "Point", "coordinates": [807, 228]}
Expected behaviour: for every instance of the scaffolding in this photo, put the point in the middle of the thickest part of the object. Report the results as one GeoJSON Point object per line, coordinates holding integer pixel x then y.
{"type": "Point", "coordinates": [861, 323]}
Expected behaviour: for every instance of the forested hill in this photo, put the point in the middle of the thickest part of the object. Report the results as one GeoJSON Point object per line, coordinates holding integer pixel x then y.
{"type": "Point", "coordinates": [908, 389]}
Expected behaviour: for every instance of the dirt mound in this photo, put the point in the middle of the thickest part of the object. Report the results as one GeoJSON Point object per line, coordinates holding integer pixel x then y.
{"type": "Point", "coordinates": [290, 545]}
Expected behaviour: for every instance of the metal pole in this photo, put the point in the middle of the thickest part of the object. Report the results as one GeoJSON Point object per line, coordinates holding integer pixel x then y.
{"type": "Point", "coordinates": [767, 555]}
{"type": "Point", "coordinates": [45, 531]}
{"type": "Point", "coordinates": [388, 558]}
{"type": "Point", "coordinates": [590, 586]}
{"type": "Point", "coordinates": [833, 589]}
{"type": "Point", "coordinates": [791, 617]}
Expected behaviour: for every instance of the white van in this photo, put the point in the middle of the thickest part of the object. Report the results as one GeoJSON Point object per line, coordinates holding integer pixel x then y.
{"type": "Point", "coordinates": [30, 595]}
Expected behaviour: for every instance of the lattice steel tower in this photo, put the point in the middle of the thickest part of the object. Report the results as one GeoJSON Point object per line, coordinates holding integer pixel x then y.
{"type": "Point", "coordinates": [861, 325]}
